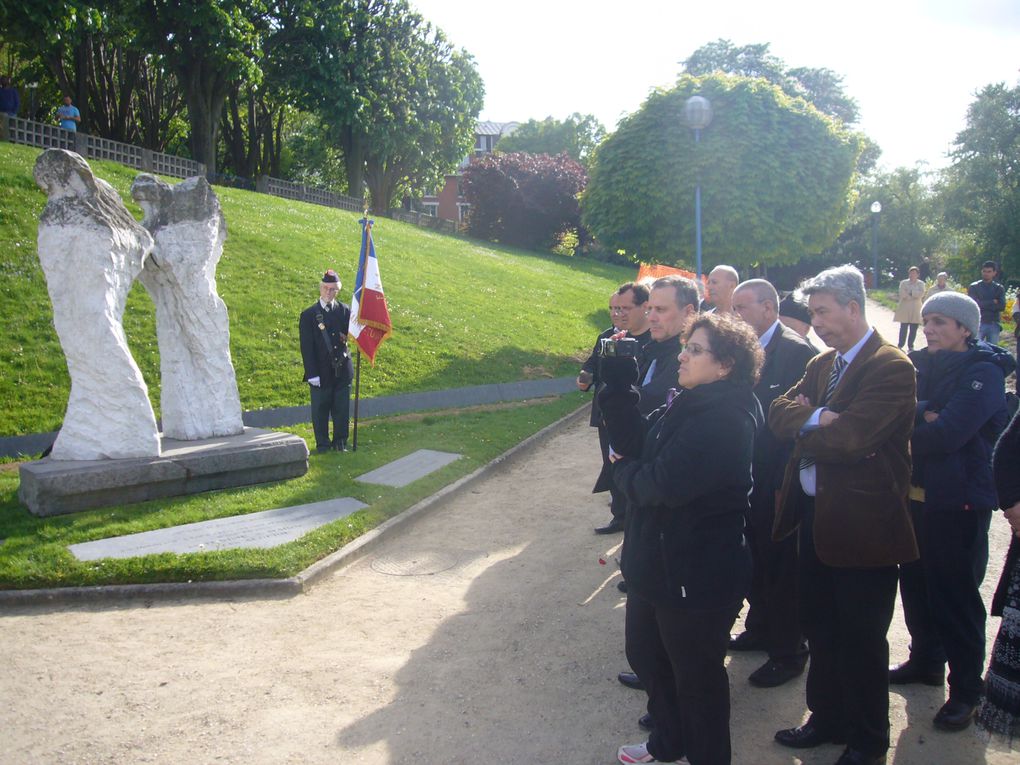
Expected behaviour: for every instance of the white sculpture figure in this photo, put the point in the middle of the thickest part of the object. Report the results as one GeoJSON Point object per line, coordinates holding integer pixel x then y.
{"type": "Point", "coordinates": [91, 250]}
{"type": "Point", "coordinates": [199, 389]}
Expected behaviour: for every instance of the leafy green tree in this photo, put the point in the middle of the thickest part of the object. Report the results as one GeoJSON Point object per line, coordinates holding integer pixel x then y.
{"type": "Point", "coordinates": [823, 88]}
{"type": "Point", "coordinates": [92, 52]}
{"type": "Point", "coordinates": [775, 177]}
{"type": "Point", "coordinates": [528, 200]}
{"type": "Point", "coordinates": [397, 99]}
{"type": "Point", "coordinates": [981, 189]}
{"type": "Point", "coordinates": [419, 130]}
{"type": "Point", "coordinates": [210, 44]}
{"type": "Point", "coordinates": [577, 136]}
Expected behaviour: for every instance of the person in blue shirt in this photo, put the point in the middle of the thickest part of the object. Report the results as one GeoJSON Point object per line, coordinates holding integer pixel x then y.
{"type": "Point", "coordinates": [9, 100]}
{"type": "Point", "coordinates": [68, 115]}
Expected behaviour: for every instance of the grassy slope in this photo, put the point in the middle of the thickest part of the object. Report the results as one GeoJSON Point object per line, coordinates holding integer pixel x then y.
{"type": "Point", "coordinates": [464, 312]}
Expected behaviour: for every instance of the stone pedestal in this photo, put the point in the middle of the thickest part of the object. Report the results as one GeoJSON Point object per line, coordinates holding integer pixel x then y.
{"type": "Point", "coordinates": [56, 487]}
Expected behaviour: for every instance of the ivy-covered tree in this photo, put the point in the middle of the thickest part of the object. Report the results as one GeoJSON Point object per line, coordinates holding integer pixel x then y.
{"type": "Point", "coordinates": [775, 177]}
{"type": "Point", "coordinates": [577, 136]}
{"type": "Point", "coordinates": [528, 200]}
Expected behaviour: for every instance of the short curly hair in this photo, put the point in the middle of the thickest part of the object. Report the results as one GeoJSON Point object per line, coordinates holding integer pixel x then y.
{"type": "Point", "coordinates": [734, 344]}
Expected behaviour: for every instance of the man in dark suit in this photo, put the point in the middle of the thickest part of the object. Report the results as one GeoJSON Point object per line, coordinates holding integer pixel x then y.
{"type": "Point", "coordinates": [671, 304]}
{"type": "Point", "coordinates": [328, 371]}
{"type": "Point", "coordinates": [628, 311]}
{"type": "Point", "coordinates": [772, 622]}
{"type": "Point", "coordinates": [846, 488]}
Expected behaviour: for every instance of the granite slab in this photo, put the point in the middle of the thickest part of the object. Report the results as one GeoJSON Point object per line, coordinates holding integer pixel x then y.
{"type": "Point", "coordinates": [267, 528]}
{"type": "Point", "coordinates": [409, 469]}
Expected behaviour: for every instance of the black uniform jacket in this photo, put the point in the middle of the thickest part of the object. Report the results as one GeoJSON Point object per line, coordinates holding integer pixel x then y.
{"type": "Point", "coordinates": [318, 361]}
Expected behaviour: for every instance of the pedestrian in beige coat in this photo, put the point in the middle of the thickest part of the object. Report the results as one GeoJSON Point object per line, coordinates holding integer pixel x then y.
{"type": "Point", "coordinates": [908, 310]}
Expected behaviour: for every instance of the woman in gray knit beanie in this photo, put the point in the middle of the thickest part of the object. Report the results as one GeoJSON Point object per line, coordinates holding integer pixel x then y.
{"type": "Point", "coordinates": [961, 409]}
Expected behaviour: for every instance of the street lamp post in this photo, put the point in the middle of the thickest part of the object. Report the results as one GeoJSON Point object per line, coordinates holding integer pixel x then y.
{"type": "Point", "coordinates": [697, 113]}
{"type": "Point", "coordinates": [876, 211]}
{"type": "Point", "coordinates": [31, 102]}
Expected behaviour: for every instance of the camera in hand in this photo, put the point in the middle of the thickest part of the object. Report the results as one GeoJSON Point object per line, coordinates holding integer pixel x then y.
{"type": "Point", "coordinates": [626, 347]}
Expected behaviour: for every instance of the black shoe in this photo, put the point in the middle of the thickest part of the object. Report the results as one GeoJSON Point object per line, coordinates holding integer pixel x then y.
{"type": "Point", "coordinates": [907, 673]}
{"type": "Point", "coordinates": [645, 722]}
{"type": "Point", "coordinates": [323, 449]}
{"type": "Point", "coordinates": [954, 715]}
{"type": "Point", "coordinates": [631, 680]}
{"type": "Point", "coordinates": [746, 641]}
{"type": "Point", "coordinates": [622, 586]}
{"type": "Point", "coordinates": [857, 757]}
{"type": "Point", "coordinates": [805, 736]}
{"type": "Point", "coordinates": [615, 526]}
{"type": "Point", "coordinates": [774, 673]}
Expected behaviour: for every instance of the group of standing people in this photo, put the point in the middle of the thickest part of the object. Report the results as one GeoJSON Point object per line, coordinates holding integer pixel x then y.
{"type": "Point", "coordinates": [784, 475]}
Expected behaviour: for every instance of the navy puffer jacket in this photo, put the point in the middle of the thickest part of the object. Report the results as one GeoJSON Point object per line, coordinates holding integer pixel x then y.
{"type": "Point", "coordinates": [952, 456]}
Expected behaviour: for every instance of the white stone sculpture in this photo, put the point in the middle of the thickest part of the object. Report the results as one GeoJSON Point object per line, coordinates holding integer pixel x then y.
{"type": "Point", "coordinates": [199, 396]}
{"type": "Point", "coordinates": [91, 250]}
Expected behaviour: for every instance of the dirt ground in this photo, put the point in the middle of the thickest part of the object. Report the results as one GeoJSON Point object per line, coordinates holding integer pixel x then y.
{"type": "Point", "coordinates": [486, 632]}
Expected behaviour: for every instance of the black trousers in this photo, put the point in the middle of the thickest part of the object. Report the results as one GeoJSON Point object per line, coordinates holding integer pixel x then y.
{"type": "Point", "coordinates": [330, 401]}
{"type": "Point", "coordinates": [679, 655]}
{"type": "Point", "coordinates": [904, 330]}
{"type": "Point", "coordinates": [618, 502]}
{"type": "Point", "coordinates": [773, 603]}
{"type": "Point", "coordinates": [941, 595]}
{"type": "Point", "coordinates": [845, 613]}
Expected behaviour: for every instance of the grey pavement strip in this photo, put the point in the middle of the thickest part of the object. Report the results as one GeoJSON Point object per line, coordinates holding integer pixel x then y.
{"type": "Point", "coordinates": [33, 443]}
{"type": "Point", "coordinates": [409, 469]}
{"type": "Point", "coordinates": [267, 528]}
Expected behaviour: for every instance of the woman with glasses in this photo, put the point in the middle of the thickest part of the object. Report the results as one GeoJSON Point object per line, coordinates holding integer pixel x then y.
{"type": "Point", "coordinates": [686, 472]}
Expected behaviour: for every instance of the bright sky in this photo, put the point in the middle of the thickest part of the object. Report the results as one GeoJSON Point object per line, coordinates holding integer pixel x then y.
{"type": "Point", "coordinates": [912, 65]}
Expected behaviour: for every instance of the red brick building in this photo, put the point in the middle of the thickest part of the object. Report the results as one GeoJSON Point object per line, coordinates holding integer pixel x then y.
{"type": "Point", "coordinates": [448, 203]}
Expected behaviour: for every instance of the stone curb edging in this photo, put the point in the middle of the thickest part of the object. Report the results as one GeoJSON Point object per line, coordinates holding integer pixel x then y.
{"type": "Point", "coordinates": [146, 594]}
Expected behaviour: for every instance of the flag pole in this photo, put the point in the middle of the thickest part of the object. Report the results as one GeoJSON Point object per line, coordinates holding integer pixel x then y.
{"type": "Point", "coordinates": [357, 399]}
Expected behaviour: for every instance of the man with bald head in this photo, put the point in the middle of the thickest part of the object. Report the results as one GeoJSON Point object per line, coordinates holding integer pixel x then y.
{"type": "Point", "coordinates": [772, 623]}
{"type": "Point", "coordinates": [722, 280]}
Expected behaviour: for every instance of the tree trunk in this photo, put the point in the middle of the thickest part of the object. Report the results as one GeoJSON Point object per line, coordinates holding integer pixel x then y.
{"type": "Point", "coordinates": [205, 96]}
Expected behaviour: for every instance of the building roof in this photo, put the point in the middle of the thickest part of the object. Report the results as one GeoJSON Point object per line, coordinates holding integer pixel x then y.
{"type": "Point", "coordinates": [496, 128]}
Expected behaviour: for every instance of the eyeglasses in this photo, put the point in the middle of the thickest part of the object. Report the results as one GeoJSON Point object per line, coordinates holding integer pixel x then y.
{"type": "Point", "coordinates": [693, 349]}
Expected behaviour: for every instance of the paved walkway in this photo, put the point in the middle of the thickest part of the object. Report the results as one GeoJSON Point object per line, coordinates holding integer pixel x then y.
{"type": "Point", "coordinates": [488, 631]}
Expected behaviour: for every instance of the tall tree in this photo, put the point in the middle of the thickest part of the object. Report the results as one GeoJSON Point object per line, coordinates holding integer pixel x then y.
{"type": "Point", "coordinates": [982, 187]}
{"type": "Point", "coordinates": [823, 88]}
{"type": "Point", "coordinates": [774, 172]}
{"type": "Point", "coordinates": [420, 131]}
{"type": "Point", "coordinates": [577, 136]}
{"type": "Point", "coordinates": [211, 44]}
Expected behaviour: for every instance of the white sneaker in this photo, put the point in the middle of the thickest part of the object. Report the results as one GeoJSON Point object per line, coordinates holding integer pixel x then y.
{"type": "Point", "coordinates": [637, 753]}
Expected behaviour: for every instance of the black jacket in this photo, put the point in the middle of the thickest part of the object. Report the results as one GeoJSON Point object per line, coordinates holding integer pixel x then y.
{"type": "Point", "coordinates": [991, 299]}
{"type": "Point", "coordinates": [786, 356]}
{"type": "Point", "coordinates": [664, 355]}
{"type": "Point", "coordinates": [315, 354]}
{"type": "Point", "coordinates": [1006, 465]}
{"type": "Point", "coordinates": [687, 489]}
{"type": "Point", "coordinates": [952, 456]}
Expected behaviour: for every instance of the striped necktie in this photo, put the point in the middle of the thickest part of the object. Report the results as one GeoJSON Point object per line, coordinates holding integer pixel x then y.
{"type": "Point", "coordinates": [837, 371]}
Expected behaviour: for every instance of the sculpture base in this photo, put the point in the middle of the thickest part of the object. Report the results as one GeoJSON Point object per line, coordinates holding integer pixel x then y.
{"type": "Point", "coordinates": [56, 487]}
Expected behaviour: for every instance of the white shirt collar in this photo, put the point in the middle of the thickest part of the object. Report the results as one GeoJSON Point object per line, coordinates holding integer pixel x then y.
{"type": "Point", "coordinates": [327, 306]}
{"type": "Point", "coordinates": [766, 338]}
{"type": "Point", "coordinates": [850, 355]}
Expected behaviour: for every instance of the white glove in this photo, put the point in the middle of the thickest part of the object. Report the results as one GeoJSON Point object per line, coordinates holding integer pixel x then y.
{"type": "Point", "coordinates": [314, 381]}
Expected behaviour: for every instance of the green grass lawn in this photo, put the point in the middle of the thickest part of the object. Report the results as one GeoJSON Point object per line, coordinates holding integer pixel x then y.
{"type": "Point", "coordinates": [34, 550]}
{"type": "Point", "coordinates": [464, 312]}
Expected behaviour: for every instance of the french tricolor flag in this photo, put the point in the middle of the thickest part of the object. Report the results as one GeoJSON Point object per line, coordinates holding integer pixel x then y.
{"type": "Point", "coordinates": [370, 318]}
